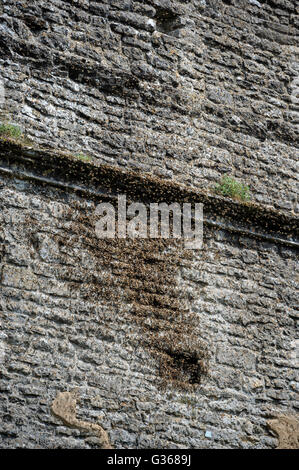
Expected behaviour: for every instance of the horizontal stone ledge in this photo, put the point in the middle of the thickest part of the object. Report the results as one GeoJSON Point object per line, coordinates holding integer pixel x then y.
{"type": "Point", "coordinates": [98, 181]}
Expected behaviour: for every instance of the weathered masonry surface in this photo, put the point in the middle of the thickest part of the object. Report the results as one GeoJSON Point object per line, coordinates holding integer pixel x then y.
{"type": "Point", "coordinates": [112, 321]}
{"type": "Point", "coordinates": [141, 343]}
{"type": "Point", "coordinates": [186, 90]}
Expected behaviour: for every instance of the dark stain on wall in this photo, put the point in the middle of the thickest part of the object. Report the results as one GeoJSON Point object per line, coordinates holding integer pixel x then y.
{"type": "Point", "coordinates": [143, 275]}
{"type": "Point", "coordinates": [167, 20]}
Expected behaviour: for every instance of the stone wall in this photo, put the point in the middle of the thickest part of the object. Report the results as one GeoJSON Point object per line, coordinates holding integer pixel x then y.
{"type": "Point", "coordinates": [163, 347]}
{"type": "Point", "coordinates": [187, 90]}
{"type": "Point", "coordinates": [142, 343]}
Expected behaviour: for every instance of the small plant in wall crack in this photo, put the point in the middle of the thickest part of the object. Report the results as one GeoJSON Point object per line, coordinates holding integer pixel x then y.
{"type": "Point", "coordinates": [230, 187]}
{"type": "Point", "coordinates": [10, 131]}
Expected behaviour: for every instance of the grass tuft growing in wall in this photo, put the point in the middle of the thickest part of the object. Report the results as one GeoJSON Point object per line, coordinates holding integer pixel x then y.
{"type": "Point", "coordinates": [230, 187]}
{"type": "Point", "coordinates": [10, 130]}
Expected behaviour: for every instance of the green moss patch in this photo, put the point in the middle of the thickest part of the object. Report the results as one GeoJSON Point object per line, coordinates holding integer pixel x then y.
{"type": "Point", "coordinates": [82, 157]}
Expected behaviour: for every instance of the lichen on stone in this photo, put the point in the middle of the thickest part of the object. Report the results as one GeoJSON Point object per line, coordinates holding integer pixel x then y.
{"type": "Point", "coordinates": [286, 428]}
{"type": "Point", "coordinates": [64, 408]}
